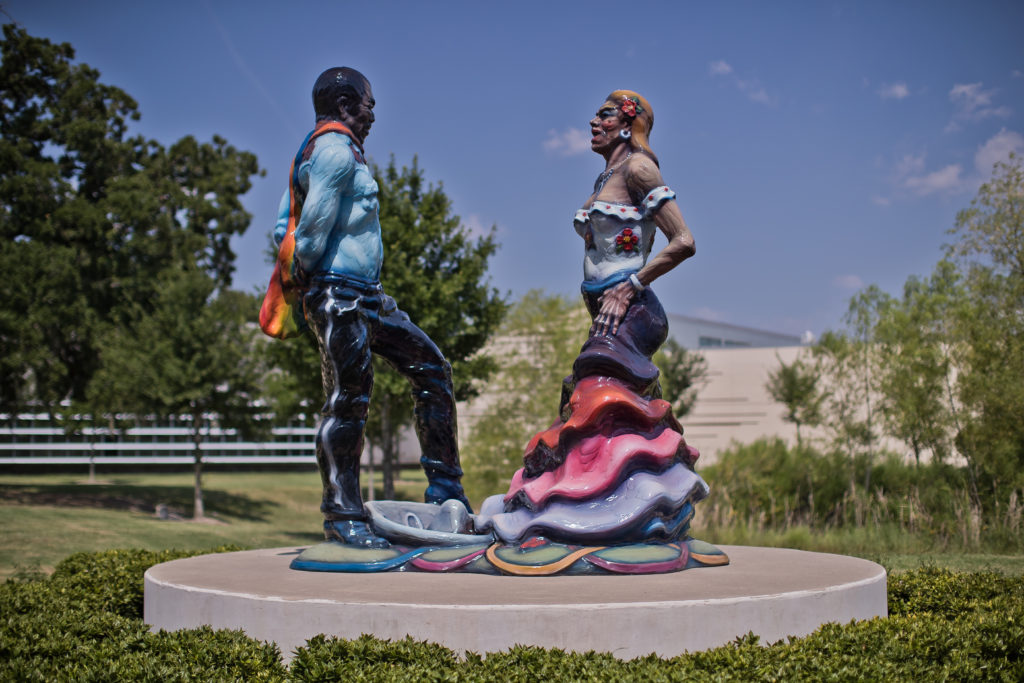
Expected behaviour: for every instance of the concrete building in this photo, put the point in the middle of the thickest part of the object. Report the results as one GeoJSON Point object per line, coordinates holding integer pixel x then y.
{"type": "Point", "coordinates": [734, 406]}
{"type": "Point", "coordinates": [695, 333]}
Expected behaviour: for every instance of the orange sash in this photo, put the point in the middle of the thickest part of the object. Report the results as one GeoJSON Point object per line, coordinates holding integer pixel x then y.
{"type": "Point", "coordinates": [281, 315]}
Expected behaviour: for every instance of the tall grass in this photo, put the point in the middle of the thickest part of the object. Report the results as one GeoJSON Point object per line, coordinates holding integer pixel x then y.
{"type": "Point", "coordinates": [798, 497]}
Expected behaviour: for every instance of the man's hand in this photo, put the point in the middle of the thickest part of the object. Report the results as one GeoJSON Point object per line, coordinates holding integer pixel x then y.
{"type": "Point", "coordinates": [614, 303]}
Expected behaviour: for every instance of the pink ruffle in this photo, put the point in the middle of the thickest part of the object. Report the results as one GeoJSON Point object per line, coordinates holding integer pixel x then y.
{"type": "Point", "coordinates": [597, 464]}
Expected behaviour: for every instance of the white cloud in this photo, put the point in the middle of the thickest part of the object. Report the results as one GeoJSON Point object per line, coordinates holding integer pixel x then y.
{"type": "Point", "coordinates": [973, 103]}
{"type": "Point", "coordinates": [909, 173]}
{"type": "Point", "coordinates": [971, 95]}
{"type": "Point", "coordinates": [997, 148]}
{"type": "Point", "coordinates": [570, 142]}
{"type": "Point", "coordinates": [848, 282]}
{"type": "Point", "coordinates": [719, 68]}
{"type": "Point", "coordinates": [946, 179]}
{"type": "Point", "coordinates": [751, 88]}
{"type": "Point", "coordinates": [893, 91]}
{"type": "Point", "coordinates": [1017, 73]}
{"type": "Point", "coordinates": [758, 94]}
{"type": "Point", "coordinates": [909, 165]}
{"type": "Point", "coordinates": [881, 201]}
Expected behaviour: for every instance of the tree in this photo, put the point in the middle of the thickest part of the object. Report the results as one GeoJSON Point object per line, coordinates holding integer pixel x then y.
{"type": "Point", "coordinates": [437, 272]}
{"type": "Point", "coordinates": [795, 385]}
{"type": "Point", "coordinates": [914, 366]}
{"type": "Point", "coordinates": [535, 346]}
{"type": "Point", "coordinates": [683, 372]}
{"type": "Point", "coordinates": [836, 355]}
{"type": "Point", "coordinates": [862, 319]}
{"type": "Point", "coordinates": [989, 328]}
{"type": "Point", "coordinates": [944, 362]}
{"type": "Point", "coordinates": [191, 354]}
{"type": "Point", "coordinates": [62, 143]}
{"type": "Point", "coordinates": [991, 230]}
{"type": "Point", "coordinates": [91, 216]}
{"type": "Point", "coordinates": [292, 385]}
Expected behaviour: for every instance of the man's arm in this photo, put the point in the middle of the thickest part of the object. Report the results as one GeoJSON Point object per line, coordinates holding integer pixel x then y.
{"type": "Point", "coordinates": [330, 175]}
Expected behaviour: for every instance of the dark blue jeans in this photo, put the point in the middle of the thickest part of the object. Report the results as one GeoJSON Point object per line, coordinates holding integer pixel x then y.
{"type": "Point", "coordinates": [353, 320]}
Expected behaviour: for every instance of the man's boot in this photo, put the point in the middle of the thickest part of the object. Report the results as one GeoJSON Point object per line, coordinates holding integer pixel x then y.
{"type": "Point", "coordinates": [353, 532]}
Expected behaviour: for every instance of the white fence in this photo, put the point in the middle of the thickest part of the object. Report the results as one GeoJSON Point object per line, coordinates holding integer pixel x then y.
{"type": "Point", "coordinates": [33, 439]}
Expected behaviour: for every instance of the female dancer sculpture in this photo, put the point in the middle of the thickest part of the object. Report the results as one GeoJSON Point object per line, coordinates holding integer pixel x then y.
{"type": "Point", "coordinates": [618, 224]}
{"type": "Point", "coordinates": [614, 470]}
{"type": "Point", "coordinates": [618, 220]}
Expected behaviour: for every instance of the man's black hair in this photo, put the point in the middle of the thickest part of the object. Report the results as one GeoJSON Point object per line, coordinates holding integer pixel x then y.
{"type": "Point", "coordinates": [338, 87]}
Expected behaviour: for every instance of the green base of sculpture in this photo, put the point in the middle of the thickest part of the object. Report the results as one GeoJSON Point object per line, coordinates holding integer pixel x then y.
{"type": "Point", "coordinates": [535, 557]}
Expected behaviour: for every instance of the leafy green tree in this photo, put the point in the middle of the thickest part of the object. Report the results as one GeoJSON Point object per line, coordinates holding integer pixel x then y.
{"type": "Point", "coordinates": [437, 272]}
{"type": "Point", "coordinates": [535, 346]}
{"type": "Point", "coordinates": [91, 216]}
{"type": "Point", "coordinates": [862, 319]}
{"type": "Point", "coordinates": [63, 142]}
{"type": "Point", "coordinates": [914, 367]}
{"type": "Point", "coordinates": [191, 354]}
{"type": "Point", "coordinates": [795, 385]}
{"type": "Point", "coordinates": [683, 372]}
{"type": "Point", "coordinates": [991, 231]}
{"type": "Point", "coordinates": [990, 328]}
{"type": "Point", "coordinates": [837, 356]}
{"type": "Point", "coordinates": [944, 362]}
{"type": "Point", "coordinates": [292, 385]}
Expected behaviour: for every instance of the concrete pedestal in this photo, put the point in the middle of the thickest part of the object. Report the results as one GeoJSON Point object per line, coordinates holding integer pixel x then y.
{"type": "Point", "coordinates": [772, 592]}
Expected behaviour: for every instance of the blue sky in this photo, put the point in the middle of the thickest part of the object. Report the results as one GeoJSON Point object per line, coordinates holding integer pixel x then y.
{"type": "Point", "coordinates": [816, 147]}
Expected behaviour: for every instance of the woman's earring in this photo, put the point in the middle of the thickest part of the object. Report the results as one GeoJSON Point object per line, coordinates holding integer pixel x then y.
{"type": "Point", "coordinates": [624, 134]}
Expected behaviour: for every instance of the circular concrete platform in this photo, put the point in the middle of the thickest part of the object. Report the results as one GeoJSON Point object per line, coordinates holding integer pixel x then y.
{"type": "Point", "coordinates": [772, 592]}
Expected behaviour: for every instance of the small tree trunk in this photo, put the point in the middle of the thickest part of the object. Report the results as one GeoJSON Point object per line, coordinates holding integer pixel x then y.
{"type": "Point", "coordinates": [387, 464]}
{"type": "Point", "coordinates": [198, 511]}
{"type": "Point", "coordinates": [369, 475]}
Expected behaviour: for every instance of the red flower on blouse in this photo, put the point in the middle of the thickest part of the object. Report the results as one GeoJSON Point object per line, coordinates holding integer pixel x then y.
{"type": "Point", "coordinates": [626, 240]}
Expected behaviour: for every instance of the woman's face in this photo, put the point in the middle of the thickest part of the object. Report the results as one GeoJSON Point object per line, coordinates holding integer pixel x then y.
{"type": "Point", "coordinates": [606, 126]}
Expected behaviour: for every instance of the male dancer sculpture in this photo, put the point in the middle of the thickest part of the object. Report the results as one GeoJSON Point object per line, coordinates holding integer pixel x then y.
{"type": "Point", "coordinates": [337, 261]}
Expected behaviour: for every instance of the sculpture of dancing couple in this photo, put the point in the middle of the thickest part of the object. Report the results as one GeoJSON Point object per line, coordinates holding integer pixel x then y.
{"type": "Point", "coordinates": [609, 488]}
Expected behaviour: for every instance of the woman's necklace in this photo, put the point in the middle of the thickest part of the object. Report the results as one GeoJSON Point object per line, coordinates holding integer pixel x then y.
{"type": "Point", "coordinates": [606, 174]}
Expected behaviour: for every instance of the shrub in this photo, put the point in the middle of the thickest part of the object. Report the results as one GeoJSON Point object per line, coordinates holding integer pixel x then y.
{"type": "Point", "coordinates": [83, 623]}
{"type": "Point", "coordinates": [766, 485]}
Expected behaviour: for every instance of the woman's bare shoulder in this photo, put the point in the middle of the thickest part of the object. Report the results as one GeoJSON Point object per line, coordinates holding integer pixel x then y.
{"type": "Point", "coordinates": [642, 175]}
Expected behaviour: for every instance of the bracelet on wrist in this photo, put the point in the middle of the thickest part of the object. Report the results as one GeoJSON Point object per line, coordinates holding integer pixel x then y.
{"type": "Point", "coordinates": [635, 281]}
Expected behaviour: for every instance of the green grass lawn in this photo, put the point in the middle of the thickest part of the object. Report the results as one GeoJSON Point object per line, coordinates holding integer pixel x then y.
{"type": "Point", "coordinates": [45, 518]}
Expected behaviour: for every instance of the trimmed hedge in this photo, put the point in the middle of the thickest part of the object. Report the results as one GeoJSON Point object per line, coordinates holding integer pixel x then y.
{"type": "Point", "coordinates": [84, 623]}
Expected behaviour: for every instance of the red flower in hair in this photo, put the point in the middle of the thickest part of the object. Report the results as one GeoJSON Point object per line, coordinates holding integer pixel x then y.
{"type": "Point", "coordinates": [631, 107]}
{"type": "Point", "coordinates": [626, 240]}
